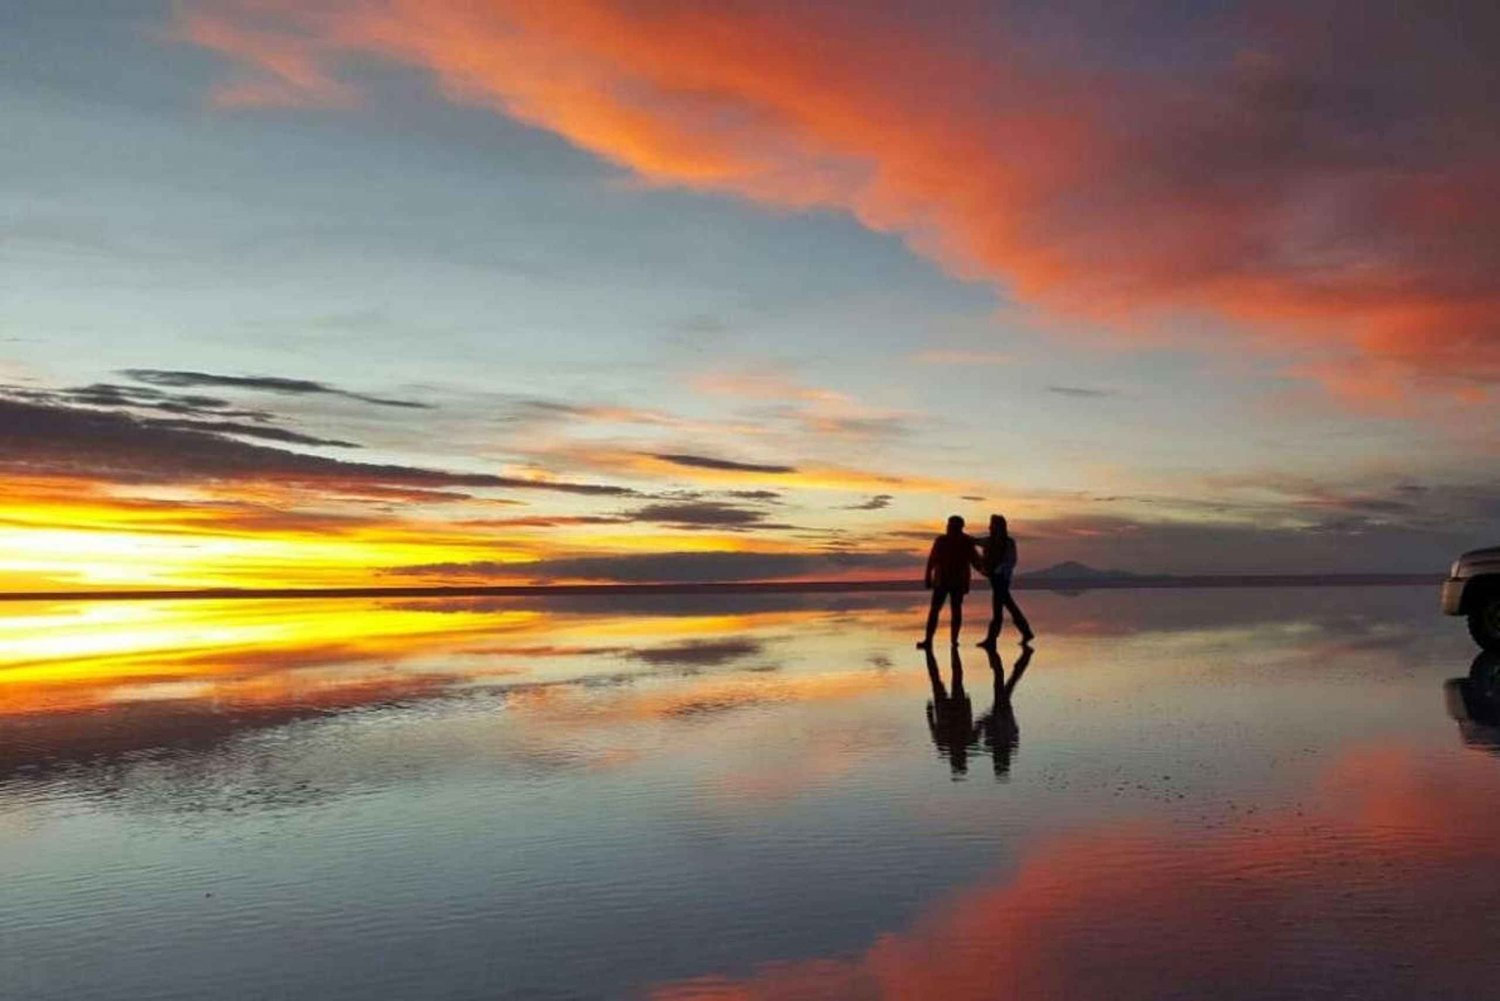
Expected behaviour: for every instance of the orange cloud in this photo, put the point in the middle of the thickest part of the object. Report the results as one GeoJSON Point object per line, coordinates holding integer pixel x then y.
{"type": "Point", "coordinates": [289, 68]}
{"type": "Point", "coordinates": [814, 410]}
{"type": "Point", "coordinates": [1246, 186]}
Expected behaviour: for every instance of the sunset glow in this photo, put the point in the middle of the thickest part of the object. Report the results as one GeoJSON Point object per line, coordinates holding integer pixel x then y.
{"type": "Point", "coordinates": [430, 291]}
{"type": "Point", "coordinates": [749, 499]}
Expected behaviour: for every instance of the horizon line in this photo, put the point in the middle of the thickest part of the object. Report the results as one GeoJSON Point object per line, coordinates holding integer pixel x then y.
{"type": "Point", "coordinates": [1022, 583]}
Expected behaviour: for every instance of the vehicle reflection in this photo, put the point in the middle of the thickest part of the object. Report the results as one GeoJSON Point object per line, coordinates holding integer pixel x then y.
{"type": "Point", "coordinates": [1474, 703]}
{"type": "Point", "coordinates": [950, 713]}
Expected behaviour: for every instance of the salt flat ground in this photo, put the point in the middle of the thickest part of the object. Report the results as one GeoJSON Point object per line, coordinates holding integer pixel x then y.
{"type": "Point", "coordinates": [1184, 794]}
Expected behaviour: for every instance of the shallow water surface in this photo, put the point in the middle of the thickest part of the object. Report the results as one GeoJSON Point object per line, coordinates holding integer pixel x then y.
{"type": "Point", "coordinates": [1180, 794]}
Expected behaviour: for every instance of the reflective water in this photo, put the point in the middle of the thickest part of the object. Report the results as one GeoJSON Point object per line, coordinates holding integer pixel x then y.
{"type": "Point", "coordinates": [1183, 794]}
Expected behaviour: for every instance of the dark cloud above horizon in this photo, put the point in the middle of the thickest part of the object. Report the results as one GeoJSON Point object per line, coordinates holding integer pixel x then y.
{"type": "Point", "coordinates": [693, 567]}
{"type": "Point", "coordinates": [1081, 392]}
{"type": "Point", "coordinates": [1291, 525]}
{"type": "Point", "coordinates": [278, 385]}
{"type": "Point", "coordinates": [699, 514]}
{"type": "Point", "coordinates": [1344, 542]}
{"type": "Point", "coordinates": [1360, 535]}
{"type": "Point", "coordinates": [693, 461]}
{"type": "Point", "coordinates": [54, 439]}
{"type": "Point", "coordinates": [113, 395]}
{"type": "Point", "coordinates": [879, 502]}
{"type": "Point", "coordinates": [264, 431]}
{"type": "Point", "coordinates": [190, 412]}
{"type": "Point", "coordinates": [536, 410]}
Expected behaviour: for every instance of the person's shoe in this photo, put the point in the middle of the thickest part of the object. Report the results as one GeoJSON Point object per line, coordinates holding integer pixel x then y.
{"type": "Point", "coordinates": [924, 644]}
{"type": "Point", "coordinates": [1027, 637]}
{"type": "Point", "coordinates": [987, 643]}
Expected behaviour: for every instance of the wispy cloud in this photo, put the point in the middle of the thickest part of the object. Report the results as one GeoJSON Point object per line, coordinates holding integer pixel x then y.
{"type": "Point", "coordinates": [671, 566]}
{"type": "Point", "coordinates": [50, 439]}
{"type": "Point", "coordinates": [877, 503]}
{"type": "Point", "coordinates": [714, 462]}
{"type": "Point", "coordinates": [699, 514]}
{"type": "Point", "coordinates": [781, 399]}
{"type": "Point", "coordinates": [278, 385]}
{"type": "Point", "coordinates": [108, 394]}
{"type": "Point", "coordinates": [541, 410]}
{"type": "Point", "coordinates": [699, 467]}
{"type": "Point", "coordinates": [961, 356]}
{"type": "Point", "coordinates": [290, 69]}
{"type": "Point", "coordinates": [189, 412]}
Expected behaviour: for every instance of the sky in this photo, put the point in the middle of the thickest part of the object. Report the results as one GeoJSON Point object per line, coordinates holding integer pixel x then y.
{"type": "Point", "coordinates": [472, 291]}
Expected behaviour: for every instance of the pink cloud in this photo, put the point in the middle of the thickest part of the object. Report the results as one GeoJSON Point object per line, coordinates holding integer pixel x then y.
{"type": "Point", "coordinates": [1144, 912]}
{"type": "Point", "coordinates": [1336, 205]}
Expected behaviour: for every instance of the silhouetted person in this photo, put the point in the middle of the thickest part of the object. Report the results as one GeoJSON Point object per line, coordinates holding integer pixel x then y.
{"type": "Point", "coordinates": [999, 565]}
{"type": "Point", "coordinates": [947, 577]}
{"type": "Point", "coordinates": [950, 715]}
{"type": "Point", "coordinates": [998, 728]}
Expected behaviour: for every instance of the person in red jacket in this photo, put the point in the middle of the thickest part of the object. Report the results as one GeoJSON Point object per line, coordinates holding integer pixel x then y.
{"type": "Point", "coordinates": [947, 577]}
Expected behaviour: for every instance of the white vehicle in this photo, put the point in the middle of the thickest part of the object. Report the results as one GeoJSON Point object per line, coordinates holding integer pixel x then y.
{"type": "Point", "coordinates": [1473, 589]}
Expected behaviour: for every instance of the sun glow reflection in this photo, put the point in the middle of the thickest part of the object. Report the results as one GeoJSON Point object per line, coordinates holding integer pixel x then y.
{"type": "Point", "coordinates": [71, 655]}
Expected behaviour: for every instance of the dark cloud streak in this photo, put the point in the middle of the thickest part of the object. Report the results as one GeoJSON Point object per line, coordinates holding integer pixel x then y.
{"type": "Point", "coordinates": [640, 568]}
{"type": "Point", "coordinates": [279, 385]}
{"type": "Point", "coordinates": [692, 461]}
{"type": "Point", "coordinates": [698, 514]}
{"type": "Point", "coordinates": [52, 440]}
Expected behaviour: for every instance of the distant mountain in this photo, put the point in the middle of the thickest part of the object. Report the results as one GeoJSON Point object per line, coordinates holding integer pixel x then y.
{"type": "Point", "coordinates": [1072, 570]}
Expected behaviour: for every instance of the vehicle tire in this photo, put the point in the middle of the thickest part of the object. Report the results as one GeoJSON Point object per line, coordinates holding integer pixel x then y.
{"type": "Point", "coordinates": [1484, 675]}
{"type": "Point", "coordinates": [1484, 619]}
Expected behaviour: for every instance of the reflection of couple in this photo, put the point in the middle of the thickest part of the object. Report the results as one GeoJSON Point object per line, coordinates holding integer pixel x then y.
{"type": "Point", "coordinates": [950, 714]}
{"type": "Point", "coordinates": [953, 553]}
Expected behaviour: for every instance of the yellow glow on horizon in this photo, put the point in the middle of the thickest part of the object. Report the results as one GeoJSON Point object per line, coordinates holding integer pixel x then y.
{"type": "Point", "coordinates": [69, 655]}
{"type": "Point", "coordinates": [81, 650]}
{"type": "Point", "coordinates": [89, 557]}
{"type": "Point", "coordinates": [51, 543]}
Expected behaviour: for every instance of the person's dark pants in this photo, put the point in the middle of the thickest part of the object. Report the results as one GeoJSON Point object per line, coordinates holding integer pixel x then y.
{"type": "Point", "coordinates": [1001, 601]}
{"type": "Point", "coordinates": [955, 599]}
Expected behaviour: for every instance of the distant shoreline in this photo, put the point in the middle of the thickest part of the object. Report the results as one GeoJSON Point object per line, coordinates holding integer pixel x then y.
{"type": "Point", "coordinates": [1100, 583]}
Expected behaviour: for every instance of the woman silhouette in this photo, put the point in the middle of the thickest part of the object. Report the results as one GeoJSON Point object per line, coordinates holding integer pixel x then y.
{"type": "Point", "coordinates": [999, 564]}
